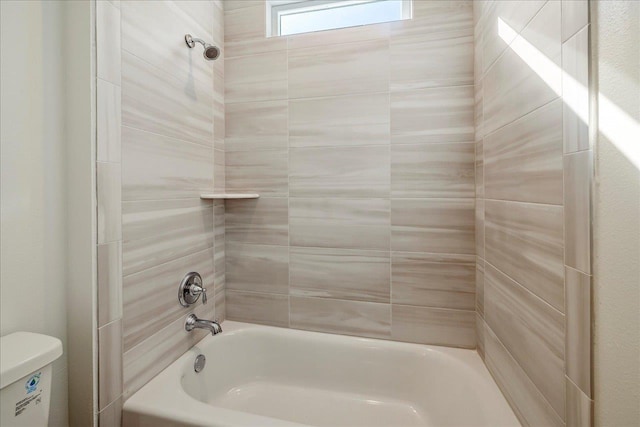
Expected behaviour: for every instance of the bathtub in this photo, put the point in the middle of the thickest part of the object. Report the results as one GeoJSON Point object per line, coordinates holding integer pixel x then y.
{"type": "Point", "coordinates": [265, 376]}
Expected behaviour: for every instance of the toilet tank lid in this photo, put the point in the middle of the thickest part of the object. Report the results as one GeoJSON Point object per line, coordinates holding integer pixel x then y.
{"type": "Point", "coordinates": [24, 352]}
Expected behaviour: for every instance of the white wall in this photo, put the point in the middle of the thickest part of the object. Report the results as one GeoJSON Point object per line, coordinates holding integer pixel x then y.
{"type": "Point", "coordinates": [33, 241]}
{"type": "Point", "coordinates": [617, 214]}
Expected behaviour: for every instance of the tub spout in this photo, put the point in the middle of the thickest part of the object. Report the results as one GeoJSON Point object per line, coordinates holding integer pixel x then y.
{"type": "Point", "coordinates": [194, 323]}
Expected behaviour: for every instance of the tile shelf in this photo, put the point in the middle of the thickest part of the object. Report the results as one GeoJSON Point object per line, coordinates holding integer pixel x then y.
{"type": "Point", "coordinates": [228, 196]}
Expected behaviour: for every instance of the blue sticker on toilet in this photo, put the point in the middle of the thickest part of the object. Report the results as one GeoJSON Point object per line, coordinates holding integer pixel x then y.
{"type": "Point", "coordinates": [32, 383]}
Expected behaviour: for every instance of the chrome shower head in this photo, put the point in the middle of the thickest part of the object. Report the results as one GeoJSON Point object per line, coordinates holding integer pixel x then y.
{"type": "Point", "coordinates": [210, 52]}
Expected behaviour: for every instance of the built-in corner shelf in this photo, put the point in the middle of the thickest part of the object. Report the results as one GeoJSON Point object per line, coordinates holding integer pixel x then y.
{"type": "Point", "coordinates": [228, 196]}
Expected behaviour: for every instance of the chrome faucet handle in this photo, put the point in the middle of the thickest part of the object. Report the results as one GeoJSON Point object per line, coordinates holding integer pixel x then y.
{"type": "Point", "coordinates": [190, 290]}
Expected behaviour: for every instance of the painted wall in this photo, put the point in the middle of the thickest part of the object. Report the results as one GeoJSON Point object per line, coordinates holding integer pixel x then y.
{"type": "Point", "coordinates": [33, 239]}
{"type": "Point", "coordinates": [533, 175]}
{"type": "Point", "coordinates": [159, 135]}
{"type": "Point", "coordinates": [360, 144]}
{"type": "Point", "coordinates": [617, 213]}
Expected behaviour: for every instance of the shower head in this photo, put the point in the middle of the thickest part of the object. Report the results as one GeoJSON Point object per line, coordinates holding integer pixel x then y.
{"type": "Point", "coordinates": [210, 52]}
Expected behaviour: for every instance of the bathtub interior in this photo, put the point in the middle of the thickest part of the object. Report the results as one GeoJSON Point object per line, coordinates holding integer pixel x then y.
{"type": "Point", "coordinates": [327, 380]}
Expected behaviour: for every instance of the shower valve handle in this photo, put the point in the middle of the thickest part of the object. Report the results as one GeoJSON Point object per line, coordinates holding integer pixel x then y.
{"type": "Point", "coordinates": [190, 290]}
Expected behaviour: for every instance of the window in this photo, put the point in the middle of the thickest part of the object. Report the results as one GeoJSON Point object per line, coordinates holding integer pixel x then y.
{"type": "Point", "coordinates": [303, 16]}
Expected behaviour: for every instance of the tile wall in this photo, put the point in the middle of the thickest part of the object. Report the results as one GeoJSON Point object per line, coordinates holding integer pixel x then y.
{"type": "Point", "coordinates": [533, 175]}
{"type": "Point", "coordinates": [360, 142]}
{"type": "Point", "coordinates": [160, 143]}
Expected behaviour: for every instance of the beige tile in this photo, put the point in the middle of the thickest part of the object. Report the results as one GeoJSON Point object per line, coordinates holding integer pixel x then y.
{"type": "Point", "coordinates": [160, 167]}
{"type": "Point", "coordinates": [480, 286]}
{"type": "Point", "coordinates": [433, 280]}
{"type": "Point", "coordinates": [340, 35]}
{"type": "Point", "coordinates": [575, 90]}
{"type": "Point", "coordinates": [579, 407]}
{"type": "Point", "coordinates": [230, 5]}
{"type": "Point", "coordinates": [219, 244]}
{"type": "Point", "coordinates": [432, 170]}
{"type": "Point", "coordinates": [254, 307]}
{"type": "Point", "coordinates": [575, 16]}
{"type": "Point", "coordinates": [262, 172]}
{"type": "Point", "coordinates": [245, 31]}
{"type": "Point", "coordinates": [220, 306]}
{"type": "Point", "coordinates": [109, 202]}
{"type": "Point", "coordinates": [525, 399]}
{"type": "Point", "coordinates": [219, 171]}
{"type": "Point", "coordinates": [257, 268]}
{"type": "Point", "coordinates": [109, 282]}
{"type": "Point", "coordinates": [578, 329]}
{"type": "Point", "coordinates": [523, 160]}
{"type": "Point", "coordinates": [432, 18]}
{"type": "Point", "coordinates": [432, 115]}
{"type": "Point", "coordinates": [577, 210]}
{"type": "Point", "coordinates": [531, 330]}
{"type": "Point", "coordinates": [158, 102]}
{"type": "Point", "coordinates": [108, 121]}
{"type": "Point", "coordinates": [479, 162]}
{"type": "Point", "coordinates": [154, 32]}
{"type": "Point", "coordinates": [202, 13]}
{"type": "Point", "coordinates": [361, 119]}
{"type": "Point", "coordinates": [516, 14]}
{"type": "Point", "coordinates": [433, 225]}
{"type": "Point", "coordinates": [480, 332]}
{"type": "Point", "coordinates": [438, 326]}
{"type": "Point", "coordinates": [109, 363]}
{"type": "Point", "coordinates": [159, 350]}
{"type": "Point", "coordinates": [364, 319]}
{"type": "Point", "coordinates": [340, 273]}
{"type": "Point", "coordinates": [525, 241]}
{"type": "Point", "coordinates": [340, 223]}
{"type": "Point", "coordinates": [150, 296]}
{"type": "Point", "coordinates": [111, 416]}
{"type": "Point", "coordinates": [159, 231]}
{"type": "Point", "coordinates": [480, 227]}
{"type": "Point", "coordinates": [260, 221]}
{"type": "Point", "coordinates": [339, 172]}
{"type": "Point", "coordinates": [444, 58]}
{"type": "Point", "coordinates": [256, 126]}
{"type": "Point", "coordinates": [108, 42]}
{"type": "Point", "coordinates": [520, 81]}
{"type": "Point", "coordinates": [260, 77]}
{"type": "Point", "coordinates": [339, 69]}
{"type": "Point", "coordinates": [218, 22]}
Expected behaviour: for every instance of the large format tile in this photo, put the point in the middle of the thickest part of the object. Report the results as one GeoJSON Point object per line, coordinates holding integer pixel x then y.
{"type": "Point", "coordinates": [480, 286]}
{"type": "Point", "coordinates": [262, 172]}
{"type": "Point", "coordinates": [438, 326]}
{"type": "Point", "coordinates": [109, 194]}
{"type": "Point", "coordinates": [433, 115]}
{"type": "Point", "coordinates": [339, 35]}
{"type": "Point", "coordinates": [525, 241]}
{"type": "Point", "coordinates": [579, 407]}
{"type": "Point", "coordinates": [256, 126]}
{"type": "Point", "coordinates": [525, 399]}
{"type": "Point", "coordinates": [158, 102]}
{"type": "Point", "coordinates": [578, 329]}
{"type": "Point", "coordinates": [161, 167]}
{"type": "Point", "coordinates": [340, 273]}
{"type": "Point", "coordinates": [109, 282]}
{"type": "Point", "coordinates": [339, 172]}
{"type": "Point", "coordinates": [431, 19]}
{"type": "Point", "coordinates": [433, 225]}
{"type": "Point", "coordinates": [245, 30]}
{"type": "Point", "coordinates": [108, 116]}
{"type": "Point", "coordinates": [254, 307]}
{"type": "Point", "coordinates": [340, 223]}
{"type": "Point", "coordinates": [260, 221]}
{"type": "Point", "coordinates": [528, 75]}
{"type": "Point", "coordinates": [577, 210]}
{"type": "Point", "coordinates": [575, 16]}
{"type": "Point", "coordinates": [109, 363]}
{"type": "Point", "coordinates": [433, 280]}
{"type": "Point", "coordinates": [339, 69]}
{"type": "Point", "coordinates": [108, 42]}
{"type": "Point", "coordinates": [260, 77]}
{"type": "Point", "coordinates": [575, 90]}
{"type": "Point", "coordinates": [361, 119]}
{"type": "Point", "coordinates": [523, 160]}
{"type": "Point", "coordinates": [364, 319]}
{"type": "Point", "coordinates": [531, 330]}
{"type": "Point", "coordinates": [257, 268]}
{"type": "Point", "coordinates": [480, 187]}
{"type": "Point", "coordinates": [432, 170]}
{"type": "Point", "coordinates": [150, 298]}
{"type": "Point", "coordinates": [159, 231]}
{"type": "Point", "coordinates": [480, 227]}
{"type": "Point", "coordinates": [154, 32]}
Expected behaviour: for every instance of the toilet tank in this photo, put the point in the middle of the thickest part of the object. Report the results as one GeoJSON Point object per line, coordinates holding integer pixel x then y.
{"type": "Point", "coordinates": [25, 378]}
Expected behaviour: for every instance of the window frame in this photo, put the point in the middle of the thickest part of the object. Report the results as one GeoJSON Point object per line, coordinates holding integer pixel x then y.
{"type": "Point", "coordinates": [277, 8]}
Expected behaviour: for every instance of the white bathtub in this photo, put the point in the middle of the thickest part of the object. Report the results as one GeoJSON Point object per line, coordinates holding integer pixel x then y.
{"type": "Point", "coordinates": [265, 376]}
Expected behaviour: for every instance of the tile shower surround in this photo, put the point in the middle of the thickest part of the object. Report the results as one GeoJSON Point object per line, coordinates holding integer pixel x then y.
{"type": "Point", "coordinates": [362, 149]}
{"type": "Point", "coordinates": [482, 247]}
